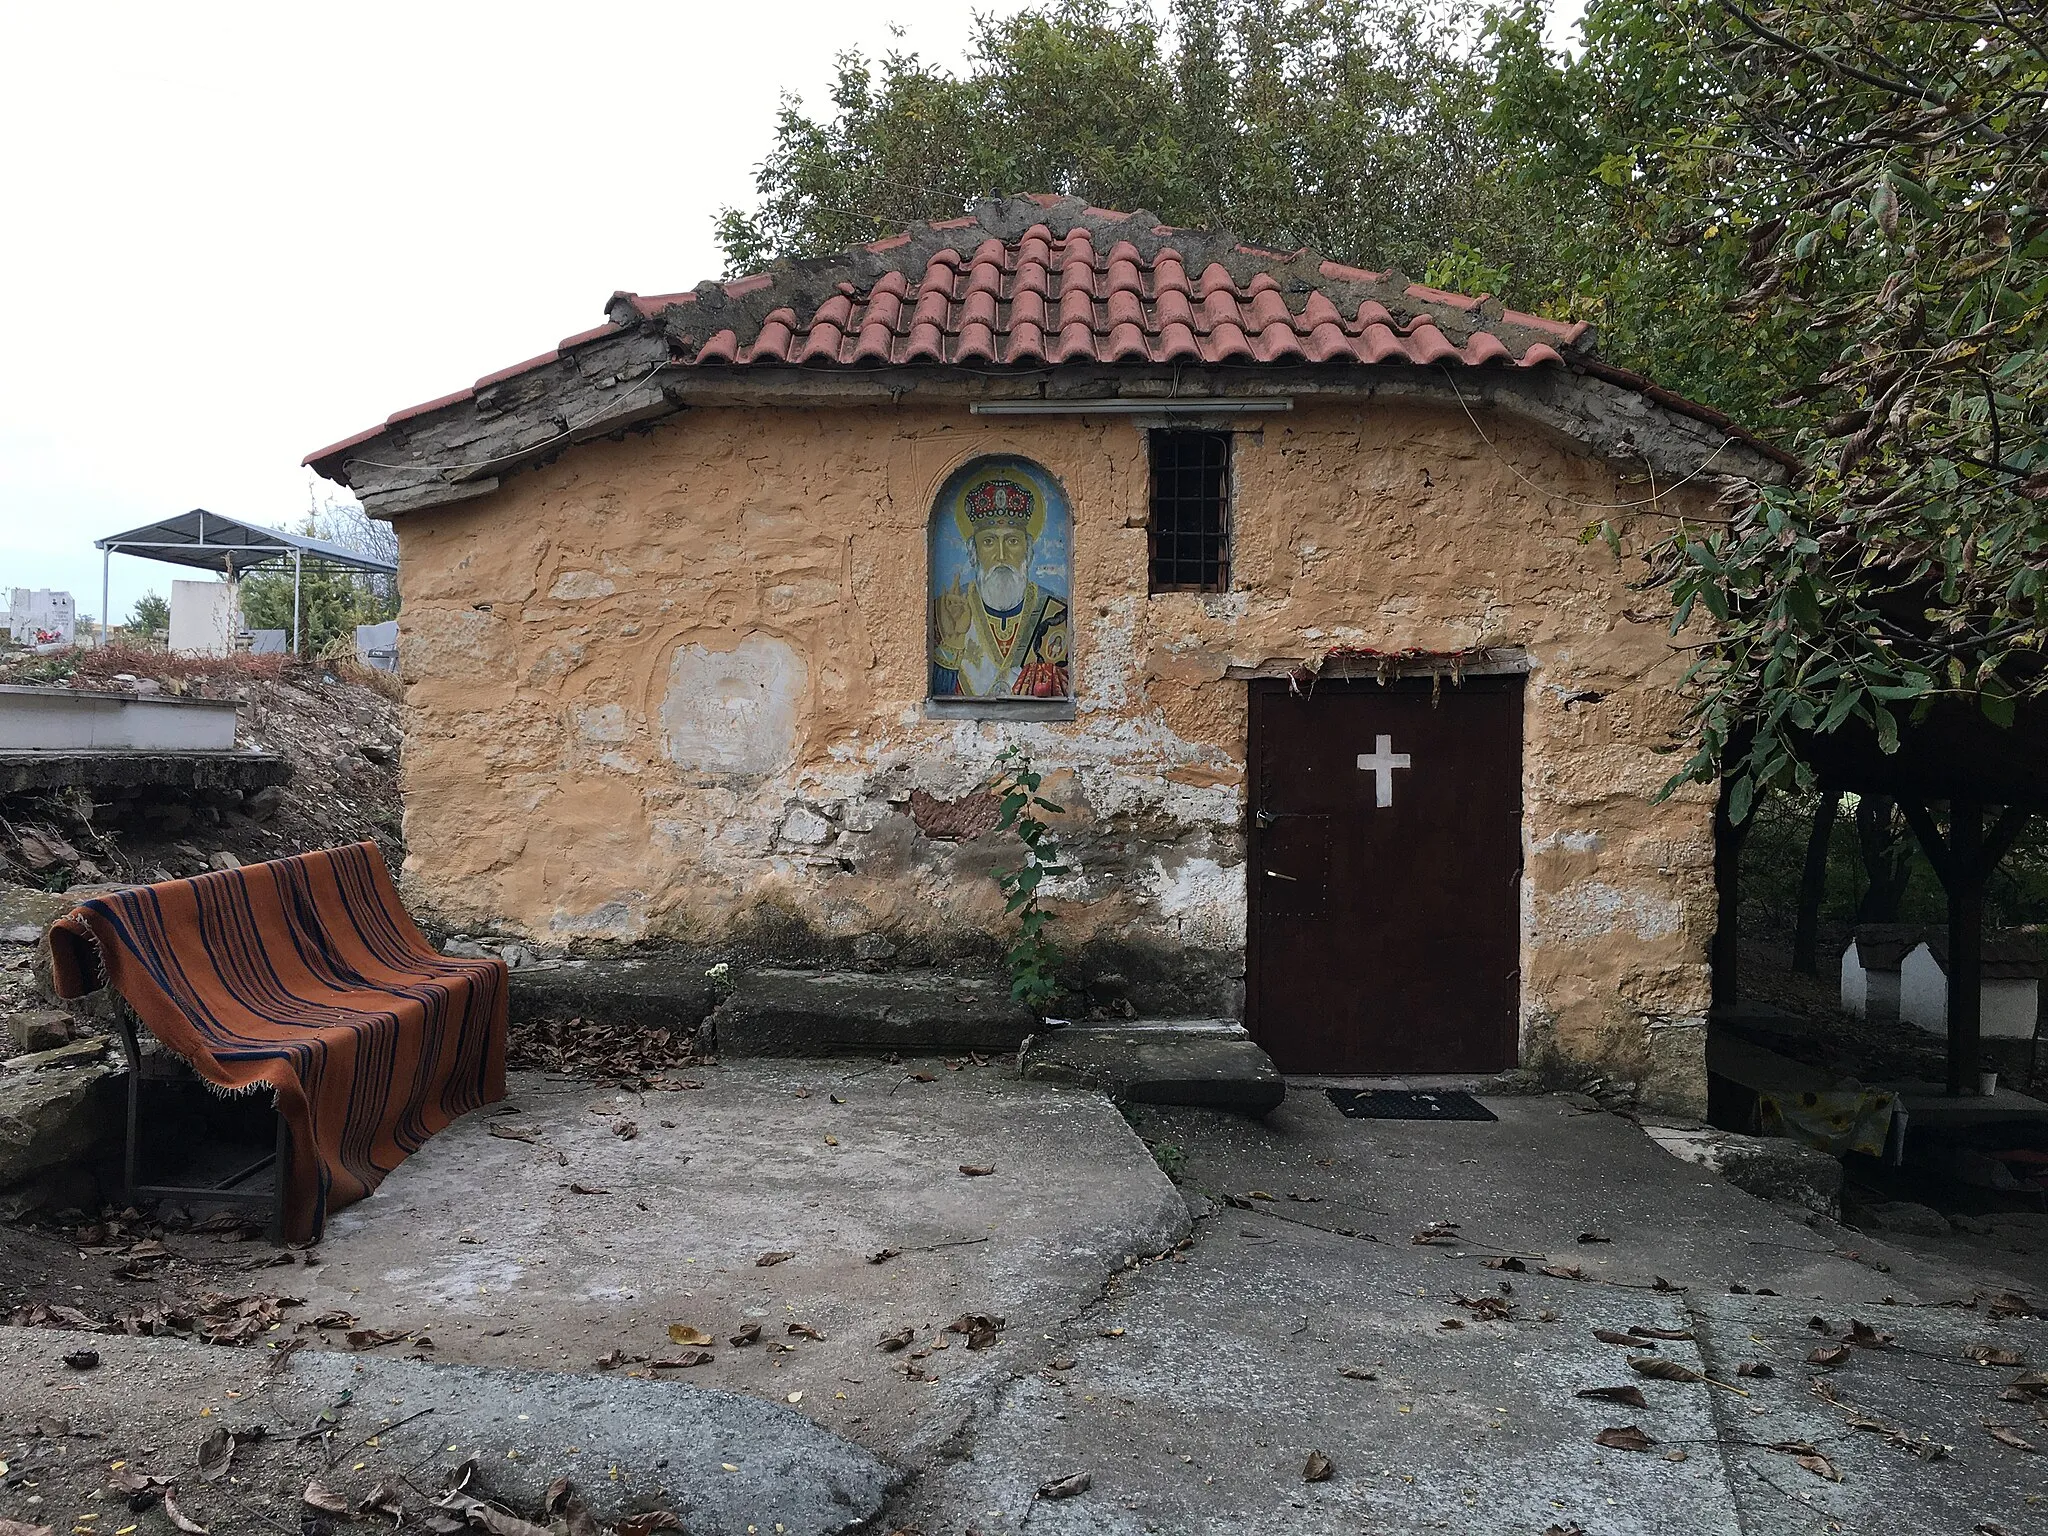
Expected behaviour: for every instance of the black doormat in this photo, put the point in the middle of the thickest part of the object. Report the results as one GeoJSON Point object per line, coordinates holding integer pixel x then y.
{"type": "Point", "coordinates": [1384, 1104]}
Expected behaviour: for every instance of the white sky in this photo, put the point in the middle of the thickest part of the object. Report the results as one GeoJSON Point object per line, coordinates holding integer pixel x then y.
{"type": "Point", "coordinates": [235, 233]}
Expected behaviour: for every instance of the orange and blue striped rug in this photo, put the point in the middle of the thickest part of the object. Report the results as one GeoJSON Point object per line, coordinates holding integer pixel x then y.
{"type": "Point", "coordinates": [305, 976]}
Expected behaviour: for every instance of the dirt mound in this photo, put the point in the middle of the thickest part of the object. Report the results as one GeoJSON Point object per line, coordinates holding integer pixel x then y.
{"type": "Point", "coordinates": [335, 723]}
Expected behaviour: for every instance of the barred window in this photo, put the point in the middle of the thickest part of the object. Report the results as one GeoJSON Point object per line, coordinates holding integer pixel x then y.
{"type": "Point", "coordinates": [1190, 523]}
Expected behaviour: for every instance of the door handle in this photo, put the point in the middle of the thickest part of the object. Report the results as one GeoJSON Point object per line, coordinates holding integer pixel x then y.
{"type": "Point", "coordinates": [1264, 819]}
{"type": "Point", "coordinates": [1274, 874]}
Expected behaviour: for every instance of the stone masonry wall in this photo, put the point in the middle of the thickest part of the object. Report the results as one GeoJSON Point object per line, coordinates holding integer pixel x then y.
{"type": "Point", "coordinates": [673, 686]}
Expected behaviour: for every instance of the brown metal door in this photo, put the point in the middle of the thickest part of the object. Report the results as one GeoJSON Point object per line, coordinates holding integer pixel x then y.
{"type": "Point", "coordinates": [1385, 875]}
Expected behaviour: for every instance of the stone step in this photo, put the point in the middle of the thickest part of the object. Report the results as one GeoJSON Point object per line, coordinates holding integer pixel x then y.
{"type": "Point", "coordinates": [1203, 1063]}
{"type": "Point", "coordinates": [827, 1013]}
{"type": "Point", "coordinates": [658, 990]}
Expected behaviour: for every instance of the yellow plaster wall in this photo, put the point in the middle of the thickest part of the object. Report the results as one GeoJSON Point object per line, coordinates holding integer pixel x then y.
{"type": "Point", "coordinates": [568, 776]}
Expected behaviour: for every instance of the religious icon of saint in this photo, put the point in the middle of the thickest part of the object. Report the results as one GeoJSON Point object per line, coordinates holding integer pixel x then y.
{"type": "Point", "coordinates": [999, 614]}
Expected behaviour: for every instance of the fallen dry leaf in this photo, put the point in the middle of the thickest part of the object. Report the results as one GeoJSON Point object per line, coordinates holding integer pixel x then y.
{"type": "Point", "coordinates": [1624, 1437]}
{"type": "Point", "coordinates": [1594, 1237]}
{"type": "Point", "coordinates": [626, 1130]}
{"type": "Point", "coordinates": [1757, 1368]}
{"type": "Point", "coordinates": [1066, 1487]}
{"type": "Point", "coordinates": [976, 1170]}
{"type": "Point", "coordinates": [587, 1189]}
{"type": "Point", "coordinates": [884, 1255]}
{"type": "Point", "coordinates": [1562, 1271]}
{"type": "Point", "coordinates": [805, 1331]}
{"type": "Point", "coordinates": [179, 1518]}
{"type": "Point", "coordinates": [900, 1339]}
{"type": "Point", "coordinates": [1357, 1373]}
{"type": "Point", "coordinates": [683, 1361]}
{"type": "Point", "coordinates": [1866, 1337]}
{"type": "Point", "coordinates": [770, 1260]}
{"type": "Point", "coordinates": [1438, 1234]}
{"type": "Point", "coordinates": [646, 1525]}
{"type": "Point", "coordinates": [922, 1077]}
{"type": "Point", "coordinates": [1631, 1395]}
{"type": "Point", "coordinates": [82, 1359]}
{"type": "Point", "coordinates": [1992, 1354]}
{"type": "Point", "coordinates": [1317, 1469]}
{"type": "Point", "coordinates": [16, 1528]}
{"type": "Point", "coordinates": [1660, 1369]}
{"type": "Point", "coordinates": [1828, 1354]}
{"type": "Point", "coordinates": [215, 1452]}
{"type": "Point", "coordinates": [1679, 1335]}
{"type": "Point", "coordinates": [1509, 1262]}
{"type": "Point", "coordinates": [513, 1132]}
{"type": "Point", "coordinates": [371, 1338]}
{"type": "Point", "coordinates": [323, 1498]}
{"type": "Point", "coordinates": [683, 1333]}
{"type": "Point", "coordinates": [981, 1328]}
{"type": "Point", "coordinates": [487, 1517]}
{"type": "Point", "coordinates": [2006, 1436]}
{"type": "Point", "coordinates": [1625, 1340]}
{"type": "Point", "coordinates": [751, 1334]}
{"type": "Point", "coordinates": [384, 1499]}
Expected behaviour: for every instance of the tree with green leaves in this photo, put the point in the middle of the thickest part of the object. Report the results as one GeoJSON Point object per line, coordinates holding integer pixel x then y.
{"type": "Point", "coordinates": [1355, 126]}
{"type": "Point", "coordinates": [150, 616]}
{"type": "Point", "coordinates": [332, 600]}
{"type": "Point", "coordinates": [1886, 170]}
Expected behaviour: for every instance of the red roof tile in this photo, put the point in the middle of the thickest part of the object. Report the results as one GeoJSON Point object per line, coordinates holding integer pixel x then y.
{"type": "Point", "coordinates": [1051, 293]}
{"type": "Point", "coordinates": [1037, 282]}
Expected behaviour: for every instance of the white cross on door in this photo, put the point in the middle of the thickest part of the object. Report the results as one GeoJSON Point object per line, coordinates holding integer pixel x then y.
{"type": "Point", "coordinates": [1381, 763]}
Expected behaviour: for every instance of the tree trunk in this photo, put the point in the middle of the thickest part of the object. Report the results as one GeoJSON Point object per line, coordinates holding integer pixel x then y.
{"type": "Point", "coordinates": [1887, 860]}
{"type": "Point", "coordinates": [1724, 955]}
{"type": "Point", "coordinates": [1964, 860]}
{"type": "Point", "coordinates": [1813, 883]}
{"type": "Point", "coordinates": [1965, 943]}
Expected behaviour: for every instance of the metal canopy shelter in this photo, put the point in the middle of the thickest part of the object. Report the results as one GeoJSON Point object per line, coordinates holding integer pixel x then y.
{"type": "Point", "coordinates": [210, 542]}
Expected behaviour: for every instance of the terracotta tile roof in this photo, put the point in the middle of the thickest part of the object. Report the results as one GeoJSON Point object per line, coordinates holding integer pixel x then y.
{"type": "Point", "coordinates": [1062, 292]}
{"type": "Point", "coordinates": [1039, 282]}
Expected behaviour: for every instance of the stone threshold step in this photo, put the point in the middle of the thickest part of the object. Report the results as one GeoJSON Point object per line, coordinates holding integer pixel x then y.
{"type": "Point", "coordinates": [1154, 1062]}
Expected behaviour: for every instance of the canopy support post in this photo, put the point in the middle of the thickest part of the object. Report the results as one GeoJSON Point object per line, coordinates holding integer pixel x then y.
{"type": "Point", "coordinates": [106, 590]}
{"type": "Point", "coordinates": [298, 562]}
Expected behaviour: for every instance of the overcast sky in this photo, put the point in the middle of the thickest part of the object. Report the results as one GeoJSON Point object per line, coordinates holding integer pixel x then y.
{"type": "Point", "coordinates": [236, 233]}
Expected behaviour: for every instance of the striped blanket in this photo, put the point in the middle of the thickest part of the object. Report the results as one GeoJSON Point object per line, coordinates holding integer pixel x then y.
{"type": "Point", "coordinates": [304, 976]}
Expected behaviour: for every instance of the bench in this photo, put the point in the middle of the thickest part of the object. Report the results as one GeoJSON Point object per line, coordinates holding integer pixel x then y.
{"type": "Point", "coordinates": [306, 977]}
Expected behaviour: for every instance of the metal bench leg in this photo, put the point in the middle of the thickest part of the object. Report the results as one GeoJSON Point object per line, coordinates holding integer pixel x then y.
{"type": "Point", "coordinates": [281, 1172]}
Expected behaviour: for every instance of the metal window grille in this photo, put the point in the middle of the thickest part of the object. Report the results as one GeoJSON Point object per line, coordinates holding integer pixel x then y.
{"type": "Point", "coordinates": [1190, 522]}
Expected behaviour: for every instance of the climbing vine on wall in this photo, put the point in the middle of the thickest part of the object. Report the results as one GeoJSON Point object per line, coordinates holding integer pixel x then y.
{"type": "Point", "coordinates": [1033, 956]}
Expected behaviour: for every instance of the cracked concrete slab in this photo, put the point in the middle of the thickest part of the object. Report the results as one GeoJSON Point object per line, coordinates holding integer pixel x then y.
{"type": "Point", "coordinates": [1191, 1372]}
{"type": "Point", "coordinates": [1195, 1392]}
{"type": "Point", "coordinates": [725, 1463]}
{"type": "Point", "coordinates": [541, 1237]}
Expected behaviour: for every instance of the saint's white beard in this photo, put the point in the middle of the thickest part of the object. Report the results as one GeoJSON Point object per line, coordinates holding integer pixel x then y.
{"type": "Point", "coordinates": [1002, 587]}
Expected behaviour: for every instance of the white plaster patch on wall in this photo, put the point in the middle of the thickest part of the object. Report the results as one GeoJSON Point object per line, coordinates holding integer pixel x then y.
{"type": "Point", "coordinates": [1566, 842]}
{"type": "Point", "coordinates": [604, 723]}
{"type": "Point", "coordinates": [733, 711]}
{"type": "Point", "coordinates": [1201, 899]}
{"type": "Point", "coordinates": [573, 585]}
{"type": "Point", "coordinates": [1107, 662]}
{"type": "Point", "coordinates": [619, 762]}
{"type": "Point", "coordinates": [1591, 909]}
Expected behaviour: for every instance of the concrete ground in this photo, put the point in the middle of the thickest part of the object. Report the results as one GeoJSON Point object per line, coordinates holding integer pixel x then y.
{"type": "Point", "coordinates": [1188, 1348]}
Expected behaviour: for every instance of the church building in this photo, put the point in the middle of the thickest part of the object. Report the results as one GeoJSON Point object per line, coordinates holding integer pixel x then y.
{"type": "Point", "coordinates": [1286, 574]}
